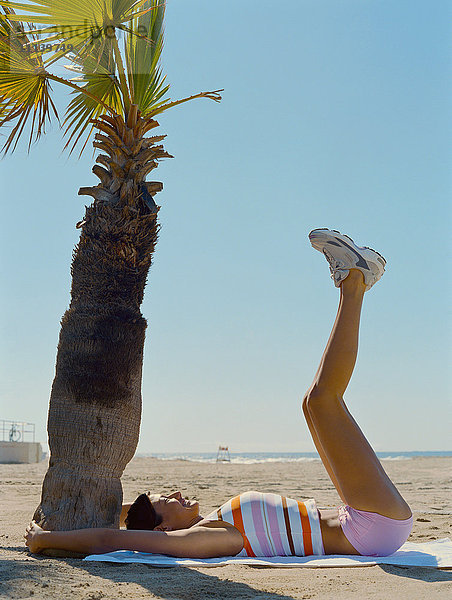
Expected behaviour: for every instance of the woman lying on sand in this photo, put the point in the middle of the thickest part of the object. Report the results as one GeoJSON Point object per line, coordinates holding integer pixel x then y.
{"type": "Point", "coordinates": [374, 519]}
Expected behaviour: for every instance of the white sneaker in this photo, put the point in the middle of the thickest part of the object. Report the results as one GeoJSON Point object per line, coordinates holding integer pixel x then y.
{"type": "Point", "coordinates": [343, 254]}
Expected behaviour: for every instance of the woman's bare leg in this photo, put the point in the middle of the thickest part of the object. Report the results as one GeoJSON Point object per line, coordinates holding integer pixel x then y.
{"type": "Point", "coordinates": [320, 450]}
{"type": "Point", "coordinates": [354, 468]}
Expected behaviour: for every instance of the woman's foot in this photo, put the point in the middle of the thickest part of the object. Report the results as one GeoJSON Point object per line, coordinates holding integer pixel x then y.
{"type": "Point", "coordinates": [33, 537]}
{"type": "Point", "coordinates": [343, 254]}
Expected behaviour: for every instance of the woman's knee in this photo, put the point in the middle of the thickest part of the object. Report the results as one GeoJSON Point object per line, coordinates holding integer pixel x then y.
{"type": "Point", "coordinates": [317, 397]}
{"type": "Point", "coordinates": [304, 406]}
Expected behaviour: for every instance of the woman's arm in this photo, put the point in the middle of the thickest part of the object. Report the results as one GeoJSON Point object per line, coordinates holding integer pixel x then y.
{"type": "Point", "coordinates": [197, 542]}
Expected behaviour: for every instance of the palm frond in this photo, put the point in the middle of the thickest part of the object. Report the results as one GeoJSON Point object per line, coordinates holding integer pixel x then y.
{"type": "Point", "coordinates": [85, 31]}
{"type": "Point", "coordinates": [76, 22]}
{"type": "Point", "coordinates": [97, 76]}
{"type": "Point", "coordinates": [25, 91]}
{"type": "Point", "coordinates": [163, 106]}
{"type": "Point", "coordinates": [71, 13]}
{"type": "Point", "coordinates": [78, 26]}
{"type": "Point", "coordinates": [143, 48]}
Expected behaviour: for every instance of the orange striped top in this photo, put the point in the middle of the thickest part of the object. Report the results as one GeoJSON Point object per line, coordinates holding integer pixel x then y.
{"type": "Point", "coordinates": [273, 525]}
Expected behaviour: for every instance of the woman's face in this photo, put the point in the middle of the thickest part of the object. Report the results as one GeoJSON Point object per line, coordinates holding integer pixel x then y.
{"type": "Point", "coordinates": [175, 511]}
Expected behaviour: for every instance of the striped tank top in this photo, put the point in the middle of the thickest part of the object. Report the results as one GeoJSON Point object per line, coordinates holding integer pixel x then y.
{"type": "Point", "coordinates": [273, 525]}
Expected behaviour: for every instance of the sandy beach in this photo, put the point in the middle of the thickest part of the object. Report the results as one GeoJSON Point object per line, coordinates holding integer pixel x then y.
{"type": "Point", "coordinates": [424, 482]}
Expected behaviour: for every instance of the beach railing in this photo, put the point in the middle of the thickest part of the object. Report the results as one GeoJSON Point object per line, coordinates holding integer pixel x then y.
{"type": "Point", "coordinates": [18, 444]}
{"type": "Point", "coordinates": [17, 431]}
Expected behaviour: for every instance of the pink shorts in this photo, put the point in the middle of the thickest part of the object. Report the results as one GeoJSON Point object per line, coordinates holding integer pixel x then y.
{"type": "Point", "coordinates": [372, 534]}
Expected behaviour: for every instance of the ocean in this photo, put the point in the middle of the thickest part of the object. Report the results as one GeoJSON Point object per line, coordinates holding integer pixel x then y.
{"type": "Point", "coordinates": [247, 458]}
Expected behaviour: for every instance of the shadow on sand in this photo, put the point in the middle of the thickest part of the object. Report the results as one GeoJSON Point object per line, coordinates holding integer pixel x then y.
{"type": "Point", "coordinates": [172, 583]}
{"type": "Point", "coordinates": [427, 574]}
{"type": "Point", "coordinates": [175, 583]}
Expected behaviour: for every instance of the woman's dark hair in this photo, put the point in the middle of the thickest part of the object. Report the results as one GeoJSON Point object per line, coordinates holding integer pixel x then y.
{"type": "Point", "coordinates": [141, 514]}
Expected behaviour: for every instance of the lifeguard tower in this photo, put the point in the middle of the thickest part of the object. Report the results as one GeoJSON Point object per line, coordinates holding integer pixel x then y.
{"type": "Point", "coordinates": [18, 444]}
{"type": "Point", "coordinates": [223, 454]}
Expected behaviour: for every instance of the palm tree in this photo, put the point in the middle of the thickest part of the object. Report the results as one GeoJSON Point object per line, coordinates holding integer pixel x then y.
{"type": "Point", "coordinates": [95, 405]}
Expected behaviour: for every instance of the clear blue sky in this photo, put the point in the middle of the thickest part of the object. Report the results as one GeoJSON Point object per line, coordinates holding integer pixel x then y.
{"type": "Point", "coordinates": [334, 114]}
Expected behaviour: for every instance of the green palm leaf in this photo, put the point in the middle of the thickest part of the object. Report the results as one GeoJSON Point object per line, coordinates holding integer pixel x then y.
{"type": "Point", "coordinates": [24, 88]}
{"type": "Point", "coordinates": [85, 31]}
{"type": "Point", "coordinates": [79, 25]}
{"type": "Point", "coordinates": [97, 75]}
{"type": "Point", "coordinates": [143, 46]}
{"type": "Point", "coordinates": [76, 22]}
{"type": "Point", "coordinates": [70, 13]}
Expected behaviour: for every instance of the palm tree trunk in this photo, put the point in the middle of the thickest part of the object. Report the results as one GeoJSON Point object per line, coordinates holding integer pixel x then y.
{"type": "Point", "coordinates": [95, 405]}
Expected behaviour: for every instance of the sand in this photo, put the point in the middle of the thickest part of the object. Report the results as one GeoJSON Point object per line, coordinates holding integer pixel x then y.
{"type": "Point", "coordinates": [424, 482]}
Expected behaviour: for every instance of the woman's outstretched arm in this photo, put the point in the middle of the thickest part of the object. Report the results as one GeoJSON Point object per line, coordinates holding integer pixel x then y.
{"type": "Point", "coordinates": [92, 541]}
{"type": "Point", "coordinates": [197, 542]}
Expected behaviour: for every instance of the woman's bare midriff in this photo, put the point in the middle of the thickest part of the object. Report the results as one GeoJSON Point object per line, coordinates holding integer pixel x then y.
{"type": "Point", "coordinates": [334, 540]}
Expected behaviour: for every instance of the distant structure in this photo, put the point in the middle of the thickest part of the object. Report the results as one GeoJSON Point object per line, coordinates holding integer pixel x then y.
{"type": "Point", "coordinates": [223, 454]}
{"type": "Point", "coordinates": [18, 444]}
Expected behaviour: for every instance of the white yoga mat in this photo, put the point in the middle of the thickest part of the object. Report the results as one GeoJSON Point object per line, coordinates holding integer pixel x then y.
{"type": "Point", "coordinates": [437, 554]}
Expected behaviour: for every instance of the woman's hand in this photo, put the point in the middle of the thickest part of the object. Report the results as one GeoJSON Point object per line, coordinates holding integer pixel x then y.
{"type": "Point", "coordinates": [32, 537]}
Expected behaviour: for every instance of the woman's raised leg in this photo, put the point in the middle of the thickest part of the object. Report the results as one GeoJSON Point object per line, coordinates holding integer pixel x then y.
{"type": "Point", "coordinates": [348, 457]}
{"type": "Point", "coordinates": [321, 451]}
